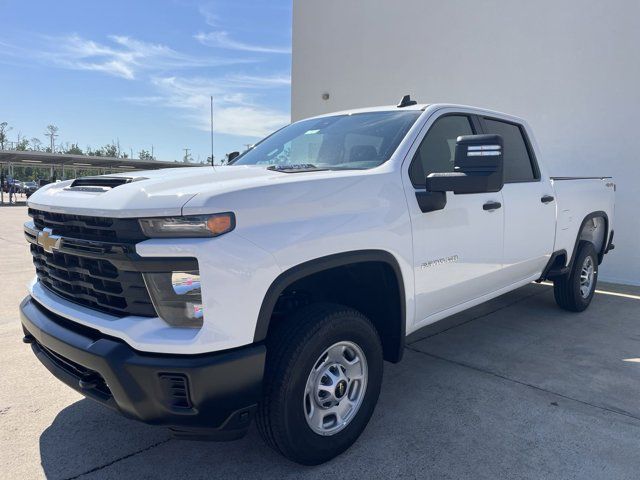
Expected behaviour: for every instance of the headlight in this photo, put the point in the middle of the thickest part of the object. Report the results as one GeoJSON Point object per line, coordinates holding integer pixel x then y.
{"type": "Point", "coordinates": [188, 226]}
{"type": "Point", "coordinates": [176, 297]}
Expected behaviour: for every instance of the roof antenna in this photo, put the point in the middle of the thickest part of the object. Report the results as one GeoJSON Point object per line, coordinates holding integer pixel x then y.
{"type": "Point", "coordinates": [406, 102]}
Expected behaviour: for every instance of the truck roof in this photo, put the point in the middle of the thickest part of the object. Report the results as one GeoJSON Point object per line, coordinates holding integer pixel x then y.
{"type": "Point", "coordinates": [423, 107]}
{"type": "Point", "coordinates": [381, 108]}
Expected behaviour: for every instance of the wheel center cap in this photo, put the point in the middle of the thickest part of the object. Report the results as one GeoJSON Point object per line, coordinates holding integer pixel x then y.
{"type": "Point", "coordinates": [341, 389]}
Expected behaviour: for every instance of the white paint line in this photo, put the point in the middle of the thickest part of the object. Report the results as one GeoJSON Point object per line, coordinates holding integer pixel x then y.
{"type": "Point", "coordinates": [604, 292]}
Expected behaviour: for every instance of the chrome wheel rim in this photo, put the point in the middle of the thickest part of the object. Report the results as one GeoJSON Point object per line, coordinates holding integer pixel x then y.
{"type": "Point", "coordinates": [587, 274]}
{"type": "Point", "coordinates": [335, 388]}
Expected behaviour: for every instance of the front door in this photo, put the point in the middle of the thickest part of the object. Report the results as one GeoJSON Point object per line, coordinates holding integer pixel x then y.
{"type": "Point", "coordinates": [457, 250]}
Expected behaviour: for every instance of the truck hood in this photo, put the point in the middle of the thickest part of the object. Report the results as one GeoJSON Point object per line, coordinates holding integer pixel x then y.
{"type": "Point", "coordinates": [157, 192]}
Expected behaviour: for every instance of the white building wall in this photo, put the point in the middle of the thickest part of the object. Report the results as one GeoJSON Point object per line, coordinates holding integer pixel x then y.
{"type": "Point", "coordinates": [571, 67]}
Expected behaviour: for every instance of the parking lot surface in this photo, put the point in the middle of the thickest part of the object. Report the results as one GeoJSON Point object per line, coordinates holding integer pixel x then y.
{"type": "Point", "coordinates": [514, 388]}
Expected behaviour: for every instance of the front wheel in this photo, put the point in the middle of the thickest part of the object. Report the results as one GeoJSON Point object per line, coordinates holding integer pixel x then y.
{"type": "Point", "coordinates": [575, 290]}
{"type": "Point", "coordinates": [322, 381]}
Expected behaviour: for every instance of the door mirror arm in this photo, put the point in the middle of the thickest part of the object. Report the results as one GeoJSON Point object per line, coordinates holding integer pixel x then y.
{"type": "Point", "coordinates": [431, 201]}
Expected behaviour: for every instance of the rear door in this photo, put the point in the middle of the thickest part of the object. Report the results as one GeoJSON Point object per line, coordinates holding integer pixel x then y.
{"type": "Point", "coordinates": [457, 250]}
{"type": "Point", "coordinates": [529, 204]}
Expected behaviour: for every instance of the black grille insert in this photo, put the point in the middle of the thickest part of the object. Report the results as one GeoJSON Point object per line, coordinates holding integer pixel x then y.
{"type": "Point", "coordinates": [85, 269]}
{"type": "Point", "coordinates": [93, 283]}
{"type": "Point", "coordinates": [87, 227]}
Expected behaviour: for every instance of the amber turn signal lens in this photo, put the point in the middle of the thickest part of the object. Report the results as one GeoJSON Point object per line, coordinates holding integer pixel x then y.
{"type": "Point", "coordinates": [220, 224]}
{"type": "Point", "coordinates": [188, 226]}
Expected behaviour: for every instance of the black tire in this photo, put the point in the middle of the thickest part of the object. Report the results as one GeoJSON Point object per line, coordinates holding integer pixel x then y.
{"type": "Point", "coordinates": [292, 351]}
{"type": "Point", "coordinates": [566, 289]}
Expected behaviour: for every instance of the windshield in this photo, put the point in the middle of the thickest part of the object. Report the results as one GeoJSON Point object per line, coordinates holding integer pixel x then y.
{"type": "Point", "coordinates": [357, 141]}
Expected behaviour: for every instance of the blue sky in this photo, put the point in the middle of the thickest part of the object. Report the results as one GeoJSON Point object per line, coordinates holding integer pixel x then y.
{"type": "Point", "coordinates": [141, 72]}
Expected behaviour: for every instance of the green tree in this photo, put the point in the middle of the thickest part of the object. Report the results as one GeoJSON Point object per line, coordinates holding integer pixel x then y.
{"type": "Point", "coordinates": [110, 150]}
{"type": "Point", "coordinates": [74, 149]}
{"type": "Point", "coordinates": [4, 128]}
{"type": "Point", "coordinates": [36, 144]}
{"type": "Point", "coordinates": [145, 155]}
{"type": "Point", "coordinates": [52, 133]}
{"type": "Point", "coordinates": [89, 151]}
{"type": "Point", "coordinates": [22, 145]}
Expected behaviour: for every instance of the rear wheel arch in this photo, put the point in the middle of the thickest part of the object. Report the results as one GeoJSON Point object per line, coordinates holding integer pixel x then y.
{"type": "Point", "coordinates": [391, 324]}
{"type": "Point", "coordinates": [594, 229]}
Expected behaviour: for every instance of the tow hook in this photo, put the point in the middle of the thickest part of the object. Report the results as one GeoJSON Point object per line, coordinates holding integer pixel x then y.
{"type": "Point", "coordinates": [88, 383]}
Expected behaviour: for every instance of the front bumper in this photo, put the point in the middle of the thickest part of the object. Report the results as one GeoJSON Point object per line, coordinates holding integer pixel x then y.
{"type": "Point", "coordinates": [213, 395]}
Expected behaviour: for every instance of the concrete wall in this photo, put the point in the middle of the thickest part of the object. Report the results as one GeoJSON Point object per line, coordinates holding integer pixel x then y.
{"type": "Point", "coordinates": [571, 67]}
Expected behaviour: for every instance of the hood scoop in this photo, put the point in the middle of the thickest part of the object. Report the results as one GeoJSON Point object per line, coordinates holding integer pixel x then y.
{"type": "Point", "coordinates": [102, 183]}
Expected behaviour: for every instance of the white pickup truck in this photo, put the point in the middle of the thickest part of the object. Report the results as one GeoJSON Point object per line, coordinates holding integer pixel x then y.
{"type": "Point", "coordinates": [274, 287]}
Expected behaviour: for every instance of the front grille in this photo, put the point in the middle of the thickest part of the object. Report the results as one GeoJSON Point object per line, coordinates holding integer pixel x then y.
{"type": "Point", "coordinates": [93, 283]}
{"type": "Point", "coordinates": [88, 228]}
{"type": "Point", "coordinates": [85, 269]}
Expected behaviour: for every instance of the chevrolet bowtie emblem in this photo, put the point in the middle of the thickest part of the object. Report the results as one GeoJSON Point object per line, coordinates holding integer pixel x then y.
{"type": "Point", "coordinates": [48, 240]}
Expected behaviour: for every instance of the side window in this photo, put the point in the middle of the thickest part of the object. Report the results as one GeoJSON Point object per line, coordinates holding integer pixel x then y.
{"type": "Point", "coordinates": [437, 150]}
{"type": "Point", "coordinates": [517, 162]}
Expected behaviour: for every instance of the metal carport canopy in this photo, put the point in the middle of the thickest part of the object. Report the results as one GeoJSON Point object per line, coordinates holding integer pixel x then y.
{"type": "Point", "coordinates": [44, 159]}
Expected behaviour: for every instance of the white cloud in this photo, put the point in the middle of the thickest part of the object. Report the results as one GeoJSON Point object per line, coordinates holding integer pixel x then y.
{"type": "Point", "coordinates": [252, 81]}
{"type": "Point", "coordinates": [249, 121]}
{"type": "Point", "coordinates": [210, 18]}
{"type": "Point", "coordinates": [221, 39]}
{"type": "Point", "coordinates": [239, 105]}
{"type": "Point", "coordinates": [236, 112]}
{"type": "Point", "coordinates": [124, 57]}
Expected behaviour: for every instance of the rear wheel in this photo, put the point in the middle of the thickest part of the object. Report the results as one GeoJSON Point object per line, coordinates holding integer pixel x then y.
{"type": "Point", "coordinates": [575, 290]}
{"type": "Point", "coordinates": [322, 381]}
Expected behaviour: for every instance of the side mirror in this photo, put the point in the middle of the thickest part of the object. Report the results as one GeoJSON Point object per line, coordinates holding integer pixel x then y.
{"type": "Point", "coordinates": [232, 156]}
{"type": "Point", "coordinates": [478, 167]}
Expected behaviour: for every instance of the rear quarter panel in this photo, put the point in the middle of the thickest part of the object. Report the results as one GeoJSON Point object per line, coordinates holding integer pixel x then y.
{"type": "Point", "coordinates": [576, 200]}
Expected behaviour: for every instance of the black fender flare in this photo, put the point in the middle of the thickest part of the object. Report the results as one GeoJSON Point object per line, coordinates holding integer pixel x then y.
{"type": "Point", "coordinates": [605, 241]}
{"type": "Point", "coordinates": [293, 274]}
{"type": "Point", "coordinates": [556, 269]}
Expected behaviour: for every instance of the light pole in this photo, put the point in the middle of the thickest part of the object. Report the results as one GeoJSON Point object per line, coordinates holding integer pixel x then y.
{"type": "Point", "coordinates": [212, 163]}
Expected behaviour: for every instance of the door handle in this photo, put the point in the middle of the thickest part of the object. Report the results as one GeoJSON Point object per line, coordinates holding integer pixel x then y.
{"type": "Point", "coordinates": [491, 206]}
{"type": "Point", "coordinates": [547, 199]}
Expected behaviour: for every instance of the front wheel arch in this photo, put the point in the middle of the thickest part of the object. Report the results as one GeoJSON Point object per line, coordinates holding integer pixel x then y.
{"type": "Point", "coordinates": [392, 329]}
